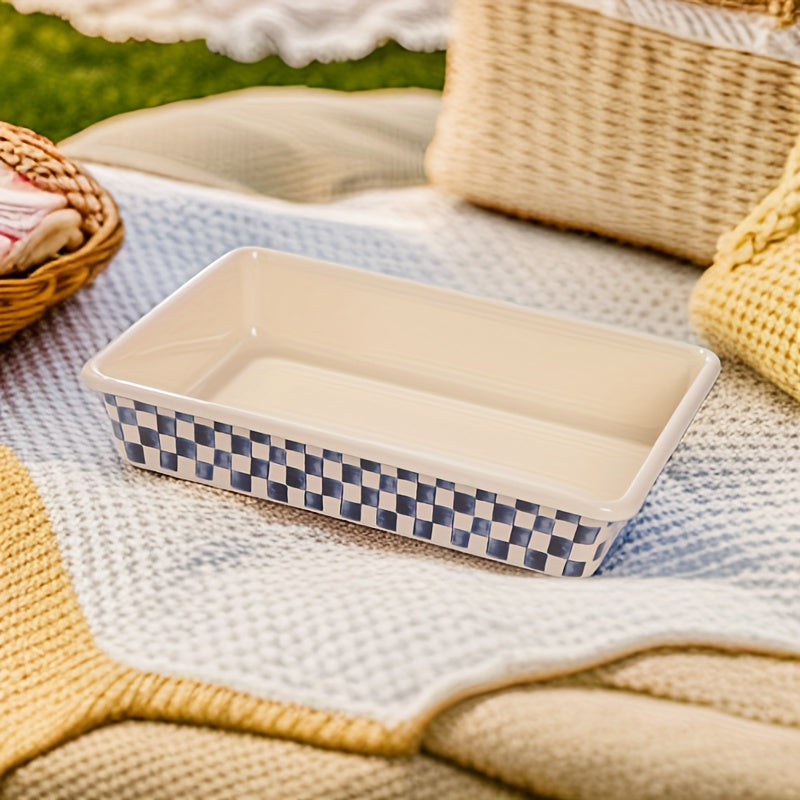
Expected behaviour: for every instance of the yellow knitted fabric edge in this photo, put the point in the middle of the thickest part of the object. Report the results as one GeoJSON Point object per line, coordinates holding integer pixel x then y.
{"type": "Point", "coordinates": [747, 304]}
{"type": "Point", "coordinates": [772, 220]}
{"type": "Point", "coordinates": [55, 683]}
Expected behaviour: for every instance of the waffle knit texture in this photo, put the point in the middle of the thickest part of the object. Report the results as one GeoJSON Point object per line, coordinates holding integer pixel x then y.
{"type": "Point", "coordinates": [56, 683]}
{"type": "Point", "coordinates": [194, 604]}
{"type": "Point", "coordinates": [555, 112]}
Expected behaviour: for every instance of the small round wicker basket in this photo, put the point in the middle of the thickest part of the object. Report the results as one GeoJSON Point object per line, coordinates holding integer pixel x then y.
{"type": "Point", "coordinates": [25, 297]}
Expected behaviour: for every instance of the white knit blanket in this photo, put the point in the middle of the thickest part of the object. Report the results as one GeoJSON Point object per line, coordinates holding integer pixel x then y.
{"type": "Point", "coordinates": [299, 31]}
{"type": "Point", "coordinates": [183, 579]}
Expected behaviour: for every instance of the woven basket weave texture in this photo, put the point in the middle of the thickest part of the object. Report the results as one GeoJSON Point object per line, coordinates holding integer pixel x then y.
{"type": "Point", "coordinates": [25, 298]}
{"type": "Point", "coordinates": [569, 117]}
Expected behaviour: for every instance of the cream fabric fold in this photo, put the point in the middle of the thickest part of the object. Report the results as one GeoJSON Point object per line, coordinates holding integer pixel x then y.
{"type": "Point", "coordinates": [295, 143]}
{"type": "Point", "coordinates": [595, 744]}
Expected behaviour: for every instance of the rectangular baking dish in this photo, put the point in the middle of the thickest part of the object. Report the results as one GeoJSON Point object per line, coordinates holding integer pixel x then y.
{"type": "Point", "coordinates": [477, 425]}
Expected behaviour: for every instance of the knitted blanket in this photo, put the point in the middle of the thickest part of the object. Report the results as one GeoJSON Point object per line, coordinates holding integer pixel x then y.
{"type": "Point", "coordinates": [128, 594]}
{"type": "Point", "coordinates": [695, 725]}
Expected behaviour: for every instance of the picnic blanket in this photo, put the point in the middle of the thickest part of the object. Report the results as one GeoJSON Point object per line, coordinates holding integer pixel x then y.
{"type": "Point", "coordinates": [125, 595]}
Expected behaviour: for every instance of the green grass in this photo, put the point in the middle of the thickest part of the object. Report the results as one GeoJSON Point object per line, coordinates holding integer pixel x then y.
{"type": "Point", "coordinates": [57, 81]}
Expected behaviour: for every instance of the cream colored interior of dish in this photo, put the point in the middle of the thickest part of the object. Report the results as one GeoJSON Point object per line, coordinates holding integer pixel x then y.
{"type": "Point", "coordinates": [400, 365]}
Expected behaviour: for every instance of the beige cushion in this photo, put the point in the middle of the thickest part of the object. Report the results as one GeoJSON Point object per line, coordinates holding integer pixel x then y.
{"type": "Point", "coordinates": [295, 143]}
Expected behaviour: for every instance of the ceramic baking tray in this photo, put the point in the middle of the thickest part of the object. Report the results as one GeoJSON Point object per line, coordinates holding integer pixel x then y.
{"type": "Point", "coordinates": [476, 425]}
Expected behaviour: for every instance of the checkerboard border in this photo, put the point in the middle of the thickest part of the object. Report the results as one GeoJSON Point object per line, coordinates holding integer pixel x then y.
{"type": "Point", "coordinates": [459, 517]}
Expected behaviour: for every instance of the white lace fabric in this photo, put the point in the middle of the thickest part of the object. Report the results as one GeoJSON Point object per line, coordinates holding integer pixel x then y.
{"type": "Point", "coordinates": [299, 31]}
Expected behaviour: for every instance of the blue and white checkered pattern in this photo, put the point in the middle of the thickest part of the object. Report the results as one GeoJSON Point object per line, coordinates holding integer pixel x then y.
{"type": "Point", "coordinates": [389, 498]}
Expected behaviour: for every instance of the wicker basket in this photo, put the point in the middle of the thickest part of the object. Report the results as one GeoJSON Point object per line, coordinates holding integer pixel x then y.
{"type": "Point", "coordinates": [564, 115]}
{"type": "Point", "coordinates": [25, 298]}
